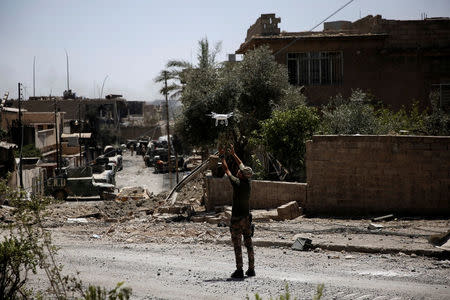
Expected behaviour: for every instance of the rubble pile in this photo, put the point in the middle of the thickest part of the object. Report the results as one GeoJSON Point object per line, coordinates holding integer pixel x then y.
{"type": "Point", "coordinates": [108, 211]}
{"type": "Point", "coordinates": [132, 193]}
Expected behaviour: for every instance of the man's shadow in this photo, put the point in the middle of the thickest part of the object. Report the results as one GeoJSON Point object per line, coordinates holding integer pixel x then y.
{"type": "Point", "coordinates": [228, 279]}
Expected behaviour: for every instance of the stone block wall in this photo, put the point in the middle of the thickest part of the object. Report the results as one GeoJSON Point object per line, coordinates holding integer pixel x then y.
{"type": "Point", "coordinates": [264, 195]}
{"type": "Point", "coordinates": [360, 175]}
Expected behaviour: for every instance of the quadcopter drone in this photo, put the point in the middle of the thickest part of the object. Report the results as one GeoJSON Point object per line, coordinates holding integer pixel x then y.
{"type": "Point", "coordinates": [222, 118]}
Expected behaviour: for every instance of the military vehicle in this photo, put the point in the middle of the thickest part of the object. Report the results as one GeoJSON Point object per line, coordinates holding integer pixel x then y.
{"type": "Point", "coordinates": [77, 182]}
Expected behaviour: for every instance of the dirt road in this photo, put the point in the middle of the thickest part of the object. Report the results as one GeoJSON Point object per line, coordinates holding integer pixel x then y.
{"type": "Point", "coordinates": [135, 173]}
{"type": "Point", "coordinates": [201, 271]}
{"type": "Point", "coordinates": [159, 259]}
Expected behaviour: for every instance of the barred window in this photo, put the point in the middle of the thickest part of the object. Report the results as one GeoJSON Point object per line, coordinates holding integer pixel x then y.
{"type": "Point", "coordinates": [315, 68]}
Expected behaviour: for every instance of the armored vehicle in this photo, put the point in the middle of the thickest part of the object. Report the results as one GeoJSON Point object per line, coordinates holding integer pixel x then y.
{"type": "Point", "coordinates": [77, 182]}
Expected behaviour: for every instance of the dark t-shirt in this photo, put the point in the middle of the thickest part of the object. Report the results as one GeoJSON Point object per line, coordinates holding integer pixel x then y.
{"type": "Point", "coordinates": [241, 196]}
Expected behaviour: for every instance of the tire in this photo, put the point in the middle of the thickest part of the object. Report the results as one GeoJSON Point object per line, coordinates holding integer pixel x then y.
{"type": "Point", "coordinates": [60, 195]}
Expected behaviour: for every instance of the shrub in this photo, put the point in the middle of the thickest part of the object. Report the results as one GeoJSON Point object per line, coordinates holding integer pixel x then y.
{"type": "Point", "coordinates": [285, 135]}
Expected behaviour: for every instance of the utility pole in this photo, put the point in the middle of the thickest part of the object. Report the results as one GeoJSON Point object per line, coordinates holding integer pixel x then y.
{"type": "Point", "coordinates": [56, 136]}
{"type": "Point", "coordinates": [169, 165]}
{"type": "Point", "coordinates": [67, 63]}
{"type": "Point", "coordinates": [34, 76]}
{"type": "Point", "coordinates": [19, 85]}
{"type": "Point", "coordinates": [79, 131]}
{"type": "Point", "coordinates": [103, 85]}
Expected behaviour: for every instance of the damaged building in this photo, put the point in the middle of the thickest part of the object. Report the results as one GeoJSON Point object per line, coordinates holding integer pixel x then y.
{"type": "Point", "coordinates": [397, 61]}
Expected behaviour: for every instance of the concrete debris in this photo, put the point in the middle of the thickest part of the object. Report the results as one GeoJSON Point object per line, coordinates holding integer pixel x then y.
{"type": "Point", "coordinates": [289, 211]}
{"type": "Point", "coordinates": [132, 193]}
{"type": "Point", "coordinates": [265, 215]}
{"type": "Point", "coordinates": [373, 226]}
{"type": "Point", "coordinates": [77, 220]}
{"type": "Point", "coordinates": [302, 244]}
{"type": "Point", "coordinates": [176, 209]}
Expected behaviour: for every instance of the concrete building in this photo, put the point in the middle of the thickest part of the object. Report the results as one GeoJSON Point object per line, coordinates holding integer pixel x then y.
{"type": "Point", "coordinates": [39, 128]}
{"type": "Point", "coordinates": [397, 61]}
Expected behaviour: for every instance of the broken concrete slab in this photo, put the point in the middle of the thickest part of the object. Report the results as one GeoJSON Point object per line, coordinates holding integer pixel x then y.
{"type": "Point", "coordinates": [302, 244]}
{"type": "Point", "coordinates": [373, 226]}
{"type": "Point", "coordinates": [77, 220]}
{"type": "Point", "coordinates": [132, 193]}
{"type": "Point", "coordinates": [289, 211]}
{"type": "Point", "coordinates": [265, 215]}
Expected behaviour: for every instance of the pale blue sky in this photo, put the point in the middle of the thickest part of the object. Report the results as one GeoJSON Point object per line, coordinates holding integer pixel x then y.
{"type": "Point", "coordinates": [130, 41]}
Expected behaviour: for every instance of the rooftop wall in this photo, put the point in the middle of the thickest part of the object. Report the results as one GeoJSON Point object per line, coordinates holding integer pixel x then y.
{"type": "Point", "coordinates": [267, 24]}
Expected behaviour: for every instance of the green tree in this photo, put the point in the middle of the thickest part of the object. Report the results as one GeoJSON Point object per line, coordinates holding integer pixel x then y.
{"type": "Point", "coordinates": [354, 115]}
{"type": "Point", "coordinates": [438, 121]}
{"type": "Point", "coordinates": [251, 89]}
{"type": "Point", "coordinates": [193, 126]}
{"type": "Point", "coordinates": [263, 83]}
{"type": "Point", "coordinates": [285, 135]}
{"type": "Point", "coordinates": [28, 151]}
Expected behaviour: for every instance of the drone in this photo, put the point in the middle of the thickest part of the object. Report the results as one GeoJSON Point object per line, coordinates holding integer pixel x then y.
{"type": "Point", "coordinates": [222, 118]}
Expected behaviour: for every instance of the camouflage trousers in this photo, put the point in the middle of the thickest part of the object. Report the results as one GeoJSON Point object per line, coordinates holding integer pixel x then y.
{"type": "Point", "coordinates": [241, 226]}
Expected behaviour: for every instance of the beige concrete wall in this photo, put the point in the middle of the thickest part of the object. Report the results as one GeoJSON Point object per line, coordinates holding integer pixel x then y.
{"type": "Point", "coordinates": [33, 180]}
{"type": "Point", "coordinates": [45, 139]}
{"type": "Point", "coordinates": [378, 174]}
{"type": "Point", "coordinates": [264, 195]}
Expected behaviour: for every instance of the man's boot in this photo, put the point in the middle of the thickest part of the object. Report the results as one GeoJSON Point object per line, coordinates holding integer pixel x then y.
{"type": "Point", "coordinates": [250, 272]}
{"type": "Point", "coordinates": [238, 274]}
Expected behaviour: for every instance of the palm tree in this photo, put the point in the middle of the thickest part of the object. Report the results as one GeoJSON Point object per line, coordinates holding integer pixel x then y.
{"type": "Point", "coordinates": [177, 71]}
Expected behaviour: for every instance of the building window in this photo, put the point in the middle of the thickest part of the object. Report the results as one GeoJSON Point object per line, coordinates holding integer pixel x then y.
{"type": "Point", "coordinates": [315, 68]}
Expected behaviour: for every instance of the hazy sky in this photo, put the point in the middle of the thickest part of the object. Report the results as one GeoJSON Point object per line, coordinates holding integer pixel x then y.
{"type": "Point", "coordinates": [130, 41]}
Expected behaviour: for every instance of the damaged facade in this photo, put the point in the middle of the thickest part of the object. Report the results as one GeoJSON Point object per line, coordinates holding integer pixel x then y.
{"type": "Point", "coordinates": [397, 61]}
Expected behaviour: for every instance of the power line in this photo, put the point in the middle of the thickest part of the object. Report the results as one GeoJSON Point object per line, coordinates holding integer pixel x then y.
{"type": "Point", "coordinates": [321, 22]}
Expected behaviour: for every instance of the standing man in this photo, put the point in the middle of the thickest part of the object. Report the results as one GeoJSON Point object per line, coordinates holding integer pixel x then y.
{"type": "Point", "coordinates": [240, 216]}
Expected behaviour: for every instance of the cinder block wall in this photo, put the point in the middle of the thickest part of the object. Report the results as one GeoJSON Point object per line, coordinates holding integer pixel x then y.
{"type": "Point", "coordinates": [265, 194]}
{"type": "Point", "coordinates": [378, 174]}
